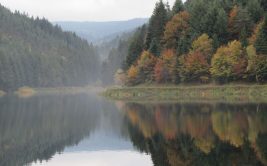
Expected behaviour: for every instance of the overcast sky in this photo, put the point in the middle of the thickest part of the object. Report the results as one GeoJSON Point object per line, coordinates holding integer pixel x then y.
{"type": "Point", "coordinates": [84, 10]}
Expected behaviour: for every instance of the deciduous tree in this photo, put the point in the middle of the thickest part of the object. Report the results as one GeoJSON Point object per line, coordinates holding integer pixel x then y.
{"type": "Point", "coordinates": [176, 30]}
{"type": "Point", "coordinates": [229, 62]}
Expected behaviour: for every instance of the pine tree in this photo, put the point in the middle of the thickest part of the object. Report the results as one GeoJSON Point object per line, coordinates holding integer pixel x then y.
{"type": "Point", "coordinates": [255, 10]}
{"type": "Point", "coordinates": [178, 7]}
{"type": "Point", "coordinates": [239, 19]}
{"type": "Point", "coordinates": [261, 41]}
{"type": "Point", "coordinates": [156, 27]}
{"type": "Point", "coordinates": [136, 46]}
{"type": "Point", "coordinates": [264, 4]}
{"type": "Point", "coordinates": [243, 37]}
{"type": "Point", "coordinates": [154, 47]}
{"type": "Point", "coordinates": [220, 26]}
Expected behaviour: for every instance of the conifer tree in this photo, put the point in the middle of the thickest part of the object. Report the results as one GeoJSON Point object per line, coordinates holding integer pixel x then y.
{"type": "Point", "coordinates": [261, 41]}
{"type": "Point", "coordinates": [255, 10]}
{"type": "Point", "coordinates": [177, 7]}
{"type": "Point", "coordinates": [136, 46]}
{"type": "Point", "coordinates": [156, 27]}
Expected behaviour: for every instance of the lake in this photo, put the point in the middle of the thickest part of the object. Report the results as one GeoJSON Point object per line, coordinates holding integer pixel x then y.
{"type": "Point", "coordinates": [85, 129]}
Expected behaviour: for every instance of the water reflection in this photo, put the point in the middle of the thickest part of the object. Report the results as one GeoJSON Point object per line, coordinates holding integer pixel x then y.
{"type": "Point", "coordinates": [35, 129]}
{"type": "Point", "coordinates": [199, 134]}
{"type": "Point", "coordinates": [83, 129]}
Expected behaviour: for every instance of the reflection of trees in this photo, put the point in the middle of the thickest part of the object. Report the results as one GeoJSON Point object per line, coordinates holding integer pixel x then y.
{"type": "Point", "coordinates": [37, 128]}
{"type": "Point", "coordinates": [199, 134]}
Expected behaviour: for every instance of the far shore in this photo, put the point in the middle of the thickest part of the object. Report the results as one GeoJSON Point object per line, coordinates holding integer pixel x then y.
{"type": "Point", "coordinates": [26, 92]}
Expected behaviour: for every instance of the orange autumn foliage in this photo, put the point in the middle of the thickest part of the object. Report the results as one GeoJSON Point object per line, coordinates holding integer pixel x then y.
{"type": "Point", "coordinates": [195, 67]}
{"type": "Point", "coordinates": [165, 68]}
{"type": "Point", "coordinates": [177, 27]}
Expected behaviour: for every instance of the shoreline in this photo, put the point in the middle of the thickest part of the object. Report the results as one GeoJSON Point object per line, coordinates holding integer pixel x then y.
{"type": "Point", "coordinates": [181, 93]}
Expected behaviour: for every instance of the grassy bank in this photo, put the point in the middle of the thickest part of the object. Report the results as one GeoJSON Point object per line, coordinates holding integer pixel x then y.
{"type": "Point", "coordinates": [225, 93]}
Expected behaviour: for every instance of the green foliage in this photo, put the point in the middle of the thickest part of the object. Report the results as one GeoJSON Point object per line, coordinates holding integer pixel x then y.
{"type": "Point", "coordinates": [261, 41]}
{"type": "Point", "coordinates": [239, 23]}
{"type": "Point", "coordinates": [255, 10]}
{"type": "Point", "coordinates": [261, 72]}
{"type": "Point", "coordinates": [252, 60]}
{"type": "Point", "coordinates": [156, 28]}
{"type": "Point", "coordinates": [136, 46]}
{"type": "Point", "coordinates": [177, 7]}
{"type": "Point", "coordinates": [220, 27]}
{"type": "Point", "coordinates": [115, 61]}
{"type": "Point", "coordinates": [264, 4]}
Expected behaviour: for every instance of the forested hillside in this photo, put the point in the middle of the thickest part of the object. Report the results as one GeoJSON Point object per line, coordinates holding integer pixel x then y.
{"type": "Point", "coordinates": [35, 53]}
{"type": "Point", "coordinates": [200, 41]}
{"type": "Point", "coordinates": [115, 61]}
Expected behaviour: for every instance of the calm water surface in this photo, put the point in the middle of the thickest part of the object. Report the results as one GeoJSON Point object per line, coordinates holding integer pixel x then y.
{"type": "Point", "coordinates": [82, 130]}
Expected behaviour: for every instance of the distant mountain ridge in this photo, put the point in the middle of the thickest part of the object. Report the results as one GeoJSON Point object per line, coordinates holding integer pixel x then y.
{"type": "Point", "coordinates": [96, 32]}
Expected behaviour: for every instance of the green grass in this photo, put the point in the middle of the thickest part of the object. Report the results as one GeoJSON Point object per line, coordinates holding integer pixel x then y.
{"type": "Point", "coordinates": [225, 93]}
{"type": "Point", "coordinates": [68, 90]}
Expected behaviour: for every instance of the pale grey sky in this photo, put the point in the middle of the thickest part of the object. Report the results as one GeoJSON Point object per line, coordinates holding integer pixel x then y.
{"type": "Point", "coordinates": [84, 10]}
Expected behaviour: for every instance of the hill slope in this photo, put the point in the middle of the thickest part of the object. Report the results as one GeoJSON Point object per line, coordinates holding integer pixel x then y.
{"type": "Point", "coordinates": [35, 53]}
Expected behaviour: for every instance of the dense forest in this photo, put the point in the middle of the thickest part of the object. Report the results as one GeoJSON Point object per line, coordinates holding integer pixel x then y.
{"type": "Point", "coordinates": [199, 41]}
{"type": "Point", "coordinates": [35, 53]}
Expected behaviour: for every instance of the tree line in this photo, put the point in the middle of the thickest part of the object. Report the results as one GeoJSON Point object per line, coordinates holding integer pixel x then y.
{"type": "Point", "coordinates": [35, 53]}
{"type": "Point", "coordinates": [200, 41]}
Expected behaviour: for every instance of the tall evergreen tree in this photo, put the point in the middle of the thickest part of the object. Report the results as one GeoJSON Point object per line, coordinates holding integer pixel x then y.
{"type": "Point", "coordinates": [177, 7]}
{"type": "Point", "coordinates": [264, 5]}
{"type": "Point", "coordinates": [243, 37]}
{"type": "Point", "coordinates": [220, 27]}
{"type": "Point", "coordinates": [156, 26]}
{"type": "Point", "coordinates": [255, 10]}
{"type": "Point", "coordinates": [136, 46]}
{"type": "Point", "coordinates": [261, 42]}
{"type": "Point", "coordinates": [239, 19]}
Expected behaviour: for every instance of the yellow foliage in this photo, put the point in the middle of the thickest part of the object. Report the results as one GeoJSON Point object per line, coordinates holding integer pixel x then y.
{"type": "Point", "coordinates": [252, 58]}
{"type": "Point", "coordinates": [203, 44]}
{"type": "Point", "coordinates": [205, 145]}
{"type": "Point", "coordinates": [225, 63]}
{"type": "Point", "coordinates": [132, 72]}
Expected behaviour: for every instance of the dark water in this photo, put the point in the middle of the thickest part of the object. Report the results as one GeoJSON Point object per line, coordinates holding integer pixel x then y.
{"type": "Point", "coordinates": [87, 130]}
